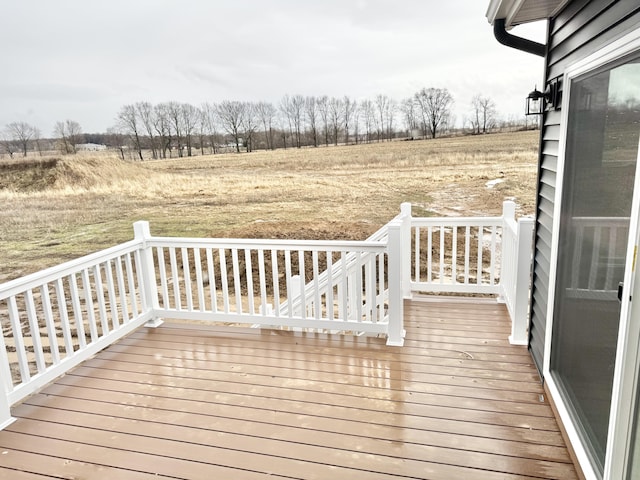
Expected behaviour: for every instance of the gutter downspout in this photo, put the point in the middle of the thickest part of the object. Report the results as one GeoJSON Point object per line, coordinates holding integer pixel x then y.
{"type": "Point", "coordinates": [505, 38]}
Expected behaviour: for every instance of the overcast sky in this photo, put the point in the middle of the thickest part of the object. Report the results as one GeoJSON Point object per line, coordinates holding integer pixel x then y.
{"type": "Point", "coordinates": [83, 59]}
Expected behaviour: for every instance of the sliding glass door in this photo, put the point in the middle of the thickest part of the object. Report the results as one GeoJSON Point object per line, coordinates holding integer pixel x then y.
{"type": "Point", "coordinates": [601, 154]}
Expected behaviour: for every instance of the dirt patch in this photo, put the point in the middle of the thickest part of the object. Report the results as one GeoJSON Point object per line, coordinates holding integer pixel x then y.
{"type": "Point", "coordinates": [329, 230]}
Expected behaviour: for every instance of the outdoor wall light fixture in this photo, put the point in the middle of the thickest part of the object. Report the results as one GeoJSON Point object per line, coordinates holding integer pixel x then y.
{"type": "Point", "coordinates": [537, 101]}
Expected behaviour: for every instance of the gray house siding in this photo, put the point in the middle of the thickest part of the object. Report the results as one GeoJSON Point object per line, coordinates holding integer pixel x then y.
{"type": "Point", "coordinates": [579, 30]}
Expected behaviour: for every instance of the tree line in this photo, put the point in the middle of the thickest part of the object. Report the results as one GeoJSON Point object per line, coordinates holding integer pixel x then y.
{"type": "Point", "coordinates": [181, 129]}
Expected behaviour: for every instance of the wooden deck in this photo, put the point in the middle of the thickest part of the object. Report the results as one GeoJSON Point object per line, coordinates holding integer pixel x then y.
{"type": "Point", "coordinates": [184, 401]}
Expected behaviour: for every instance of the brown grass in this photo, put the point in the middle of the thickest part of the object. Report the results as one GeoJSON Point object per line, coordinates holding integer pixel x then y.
{"type": "Point", "coordinates": [55, 210]}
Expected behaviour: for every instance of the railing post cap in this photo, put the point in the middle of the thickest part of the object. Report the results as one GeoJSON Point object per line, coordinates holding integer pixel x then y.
{"type": "Point", "coordinates": [141, 229]}
{"type": "Point", "coordinates": [405, 208]}
{"type": "Point", "coordinates": [509, 209]}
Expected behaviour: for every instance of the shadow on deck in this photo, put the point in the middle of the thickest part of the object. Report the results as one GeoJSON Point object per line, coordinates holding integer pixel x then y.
{"type": "Point", "coordinates": [191, 401]}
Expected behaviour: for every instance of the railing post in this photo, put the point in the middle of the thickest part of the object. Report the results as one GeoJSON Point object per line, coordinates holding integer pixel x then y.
{"type": "Point", "coordinates": [405, 210]}
{"type": "Point", "coordinates": [508, 214]}
{"type": "Point", "coordinates": [5, 380]}
{"type": "Point", "coordinates": [149, 288]}
{"type": "Point", "coordinates": [520, 321]}
{"type": "Point", "coordinates": [396, 333]}
{"type": "Point", "coordinates": [5, 412]}
{"type": "Point", "coordinates": [508, 210]}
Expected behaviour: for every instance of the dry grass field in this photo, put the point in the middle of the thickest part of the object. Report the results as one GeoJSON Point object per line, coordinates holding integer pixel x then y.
{"type": "Point", "coordinates": [53, 210]}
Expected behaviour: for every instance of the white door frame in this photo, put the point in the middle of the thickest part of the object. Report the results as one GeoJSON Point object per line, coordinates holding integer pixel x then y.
{"type": "Point", "coordinates": [626, 365]}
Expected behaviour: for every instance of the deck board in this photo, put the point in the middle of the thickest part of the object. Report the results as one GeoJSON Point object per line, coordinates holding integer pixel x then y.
{"type": "Point", "coordinates": [195, 401]}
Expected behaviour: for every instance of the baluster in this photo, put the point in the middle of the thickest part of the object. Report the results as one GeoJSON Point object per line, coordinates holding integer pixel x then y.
{"type": "Point", "coordinates": [64, 317]}
{"type": "Point", "coordinates": [263, 283]}
{"type": "Point", "coordinates": [454, 255]}
{"type": "Point", "coordinates": [77, 311]}
{"type": "Point", "coordinates": [329, 298]}
{"type": "Point", "coordinates": [163, 278]}
{"type": "Point", "coordinates": [97, 276]}
{"type": "Point", "coordinates": [467, 253]}
{"type": "Point", "coordinates": [132, 285]}
{"type": "Point", "coordinates": [176, 280]}
{"type": "Point", "coordinates": [342, 291]}
{"type": "Point", "coordinates": [186, 270]}
{"type": "Point", "coordinates": [35, 332]}
{"type": "Point", "coordinates": [113, 303]}
{"type": "Point", "coordinates": [50, 325]}
{"type": "Point", "coordinates": [276, 281]}
{"type": "Point", "coordinates": [18, 339]}
{"type": "Point", "coordinates": [212, 281]}
{"type": "Point", "coordinates": [316, 285]}
{"type": "Point", "coordinates": [199, 282]}
{"type": "Point", "coordinates": [479, 265]}
{"type": "Point", "coordinates": [224, 280]}
{"type": "Point", "coordinates": [303, 282]}
{"type": "Point", "coordinates": [236, 280]}
{"type": "Point", "coordinates": [122, 290]}
{"type": "Point", "coordinates": [88, 300]}
{"type": "Point", "coordinates": [249, 273]}
{"type": "Point", "coordinates": [492, 266]}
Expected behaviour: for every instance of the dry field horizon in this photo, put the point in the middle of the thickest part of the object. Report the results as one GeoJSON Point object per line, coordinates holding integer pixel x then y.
{"type": "Point", "coordinates": [56, 209]}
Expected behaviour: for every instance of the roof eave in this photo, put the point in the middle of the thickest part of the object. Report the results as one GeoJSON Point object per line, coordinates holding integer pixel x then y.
{"type": "Point", "coordinates": [509, 10]}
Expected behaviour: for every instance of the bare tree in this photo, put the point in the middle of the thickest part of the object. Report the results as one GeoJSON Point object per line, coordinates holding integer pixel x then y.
{"type": "Point", "coordinates": [390, 115]}
{"type": "Point", "coordinates": [434, 105]}
{"type": "Point", "coordinates": [162, 127]}
{"type": "Point", "coordinates": [347, 116]}
{"type": "Point", "coordinates": [202, 127]}
{"type": "Point", "coordinates": [483, 114]}
{"type": "Point", "coordinates": [146, 114]}
{"type": "Point", "coordinates": [336, 116]}
{"type": "Point", "coordinates": [357, 115]}
{"type": "Point", "coordinates": [37, 137]}
{"type": "Point", "coordinates": [409, 114]}
{"type": "Point", "coordinates": [287, 110]}
{"type": "Point", "coordinates": [368, 112]}
{"type": "Point", "coordinates": [209, 119]}
{"type": "Point", "coordinates": [250, 124]}
{"type": "Point", "coordinates": [231, 115]}
{"type": "Point", "coordinates": [7, 144]}
{"type": "Point", "coordinates": [297, 111]}
{"type": "Point", "coordinates": [174, 114]}
{"type": "Point", "coordinates": [128, 123]}
{"type": "Point", "coordinates": [69, 134]}
{"type": "Point", "coordinates": [21, 133]}
{"type": "Point", "coordinates": [113, 139]}
{"type": "Point", "coordinates": [382, 106]}
{"type": "Point", "coordinates": [311, 111]}
{"type": "Point", "coordinates": [323, 109]}
{"type": "Point", "coordinates": [266, 113]}
{"type": "Point", "coordinates": [189, 120]}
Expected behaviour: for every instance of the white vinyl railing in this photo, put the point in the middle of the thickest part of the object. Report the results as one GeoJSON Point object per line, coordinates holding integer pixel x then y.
{"type": "Point", "coordinates": [476, 255]}
{"type": "Point", "coordinates": [54, 319]}
{"type": "Point", "coordinates": [599, 254]}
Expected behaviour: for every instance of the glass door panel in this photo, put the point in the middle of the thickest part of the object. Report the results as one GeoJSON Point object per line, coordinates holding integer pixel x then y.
{"type": "Point", "coordinates": [599, 170]}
